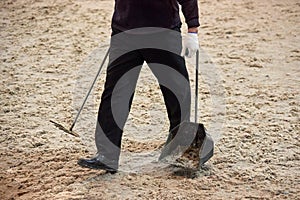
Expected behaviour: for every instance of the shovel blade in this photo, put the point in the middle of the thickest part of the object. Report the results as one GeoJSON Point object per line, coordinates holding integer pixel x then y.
{"type": "Point", "coordinates": [188, 143]}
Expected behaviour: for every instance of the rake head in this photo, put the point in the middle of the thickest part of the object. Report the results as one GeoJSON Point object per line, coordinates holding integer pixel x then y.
{"type": "Point", "coordinates": [61, 127]}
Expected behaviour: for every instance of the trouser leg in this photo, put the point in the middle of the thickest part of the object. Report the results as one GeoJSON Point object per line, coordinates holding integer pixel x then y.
{"type": "Point", "coordinates": [121, 79]}
{"type": "Point", "coordinates": [171, 73]}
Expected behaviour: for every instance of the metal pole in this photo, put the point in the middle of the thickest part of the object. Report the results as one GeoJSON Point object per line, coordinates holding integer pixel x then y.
{"type": "Point", "coordinates": [196, 87]}
{"type": "Point", "coordinates": [89, 92]}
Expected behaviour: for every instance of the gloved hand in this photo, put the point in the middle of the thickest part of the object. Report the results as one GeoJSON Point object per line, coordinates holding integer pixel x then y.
{"type": "Point", "coordinates": [190, 45]}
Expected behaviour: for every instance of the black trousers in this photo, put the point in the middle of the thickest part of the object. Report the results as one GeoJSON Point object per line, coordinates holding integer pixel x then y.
{"type": "Point", "coordinates": [128, 52]}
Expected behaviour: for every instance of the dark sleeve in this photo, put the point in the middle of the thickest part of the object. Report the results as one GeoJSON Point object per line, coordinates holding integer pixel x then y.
{"type": "Point", "coordinates": [190, 12]}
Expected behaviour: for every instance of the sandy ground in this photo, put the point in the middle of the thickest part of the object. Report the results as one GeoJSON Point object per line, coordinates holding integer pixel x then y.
{"type": "Point", "coordinates": [50, 51]}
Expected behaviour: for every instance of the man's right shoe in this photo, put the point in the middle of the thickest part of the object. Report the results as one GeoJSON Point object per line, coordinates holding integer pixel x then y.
{"type": "Point", "coordinates": [99, 162]}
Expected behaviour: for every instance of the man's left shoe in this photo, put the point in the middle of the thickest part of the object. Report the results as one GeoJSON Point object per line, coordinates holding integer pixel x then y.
{"type": "Point", "coordinates": [99, 162]}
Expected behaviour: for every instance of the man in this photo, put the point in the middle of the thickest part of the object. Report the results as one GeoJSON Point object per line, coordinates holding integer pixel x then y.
{"type": "Point", "coordinates": [126, 59]}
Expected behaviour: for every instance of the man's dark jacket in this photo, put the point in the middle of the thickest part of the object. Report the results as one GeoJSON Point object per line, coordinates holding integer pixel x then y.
{"type": "Point", "coordinates": [130, 14]}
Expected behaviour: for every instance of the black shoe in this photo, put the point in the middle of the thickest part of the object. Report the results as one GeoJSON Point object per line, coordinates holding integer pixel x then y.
{"type": "Point", "coordinates": [98, 163]}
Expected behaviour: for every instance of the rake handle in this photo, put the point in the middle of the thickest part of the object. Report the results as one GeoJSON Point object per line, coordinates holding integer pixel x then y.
{"type": "Point", "coordinates": [90, 90]}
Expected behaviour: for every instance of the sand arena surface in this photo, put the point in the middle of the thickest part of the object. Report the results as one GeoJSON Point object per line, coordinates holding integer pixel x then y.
{"type": "Point", "coordinates": [50, 51]}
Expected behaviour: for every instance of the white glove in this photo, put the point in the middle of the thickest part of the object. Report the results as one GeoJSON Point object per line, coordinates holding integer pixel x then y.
{"type": "Point", "coordinates": [190, 45]}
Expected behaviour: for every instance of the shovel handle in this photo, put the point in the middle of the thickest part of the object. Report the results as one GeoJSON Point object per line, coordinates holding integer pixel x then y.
{"type": "Point", "coordinates": [196, 87]}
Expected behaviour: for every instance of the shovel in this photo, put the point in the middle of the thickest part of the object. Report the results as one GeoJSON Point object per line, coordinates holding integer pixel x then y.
{"type": "Point", "coordinates": [188, 144]}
